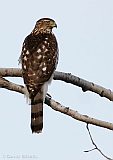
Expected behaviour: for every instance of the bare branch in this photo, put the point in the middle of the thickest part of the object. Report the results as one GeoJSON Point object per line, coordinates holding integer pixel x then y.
{"type": "Point", "coordinates": [66, 77]}
{"type": "Point", "coordinates": [10, 72]}
{"type": "Point", "coordinates": [85, 85]}
{"type": "Point", "coordinates": [74, 114]}
{"type": "Point", "coordinates": [96, 148]}
{"type": "Point", "coordinates": [11, 86]}
{"type": "Point", "coordinates": [57, 106]}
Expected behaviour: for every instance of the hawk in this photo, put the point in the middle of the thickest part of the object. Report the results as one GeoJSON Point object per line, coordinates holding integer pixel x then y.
{"type": "Point", "coordinates": [39, 58]}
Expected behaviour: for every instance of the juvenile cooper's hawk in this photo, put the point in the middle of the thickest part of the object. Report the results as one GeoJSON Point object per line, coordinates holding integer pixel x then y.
{"type": "Point", "coordinates": [39, 59]}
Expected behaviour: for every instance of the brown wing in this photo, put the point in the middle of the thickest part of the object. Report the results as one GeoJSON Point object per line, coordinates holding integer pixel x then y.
{"type": "Point", "coordinates": [39, 59]}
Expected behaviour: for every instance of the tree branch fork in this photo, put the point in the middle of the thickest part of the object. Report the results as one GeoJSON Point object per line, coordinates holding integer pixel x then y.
{"type": "Point", "coordinates": [68, 78]}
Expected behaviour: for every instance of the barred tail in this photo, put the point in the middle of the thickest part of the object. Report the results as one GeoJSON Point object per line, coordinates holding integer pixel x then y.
{"type": "Point", "coordinates": [37, 113]}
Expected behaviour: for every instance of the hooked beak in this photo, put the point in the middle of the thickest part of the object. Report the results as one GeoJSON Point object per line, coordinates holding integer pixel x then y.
{"type": "Point", "coordinates": [53, 24]}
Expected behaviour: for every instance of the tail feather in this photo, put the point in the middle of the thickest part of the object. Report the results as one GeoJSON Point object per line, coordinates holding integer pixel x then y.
{"type": "Point", "coordinates": [37, 113]}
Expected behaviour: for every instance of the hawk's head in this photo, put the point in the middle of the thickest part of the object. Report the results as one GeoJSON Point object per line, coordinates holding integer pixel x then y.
{"type": "Point", "coordinates": [44, 25]}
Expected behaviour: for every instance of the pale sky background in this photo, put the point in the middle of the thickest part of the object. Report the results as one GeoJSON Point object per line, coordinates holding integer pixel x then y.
{"type": "Point", "coordinates": [85, 38]}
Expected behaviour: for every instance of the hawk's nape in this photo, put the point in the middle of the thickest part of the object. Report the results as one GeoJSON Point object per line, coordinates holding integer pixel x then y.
{"type": "Point", "coordinates": [39, 59]}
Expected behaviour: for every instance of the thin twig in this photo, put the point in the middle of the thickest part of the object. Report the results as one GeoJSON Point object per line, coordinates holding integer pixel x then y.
{"type": "Point", "coordinates": [95, 146]}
